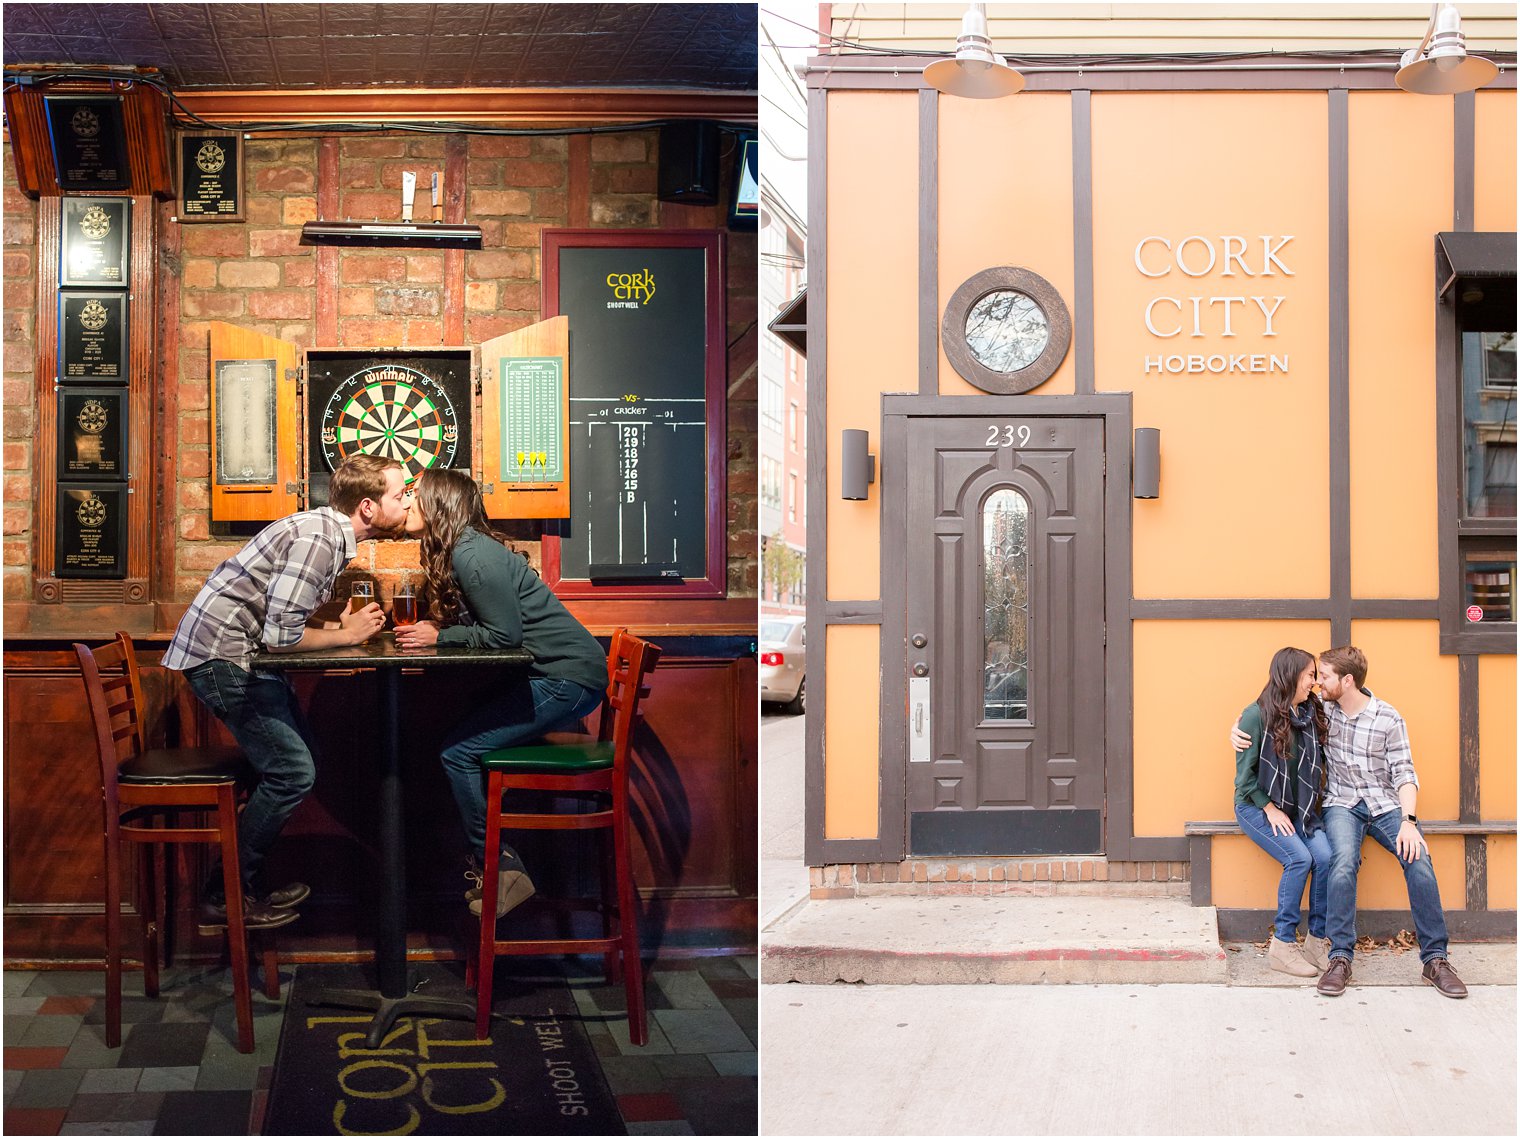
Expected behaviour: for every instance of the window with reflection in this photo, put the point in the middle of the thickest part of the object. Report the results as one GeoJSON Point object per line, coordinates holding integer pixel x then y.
{"type": "Point", "coordinates": [1005, 603]}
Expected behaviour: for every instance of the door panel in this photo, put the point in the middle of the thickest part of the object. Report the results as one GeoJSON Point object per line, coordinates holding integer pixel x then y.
{"type": "Point", "coordinates": [1004, 588]}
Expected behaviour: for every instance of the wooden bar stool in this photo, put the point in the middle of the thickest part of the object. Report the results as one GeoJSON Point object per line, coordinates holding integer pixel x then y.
{"type": "Point", "coordinates": [142, 789]}
{"type": "Point", "coordinates": [570, 767]}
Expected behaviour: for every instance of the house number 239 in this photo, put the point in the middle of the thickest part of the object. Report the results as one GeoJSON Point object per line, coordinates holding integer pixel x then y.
{"type": "Point", "coordinates": [1007, 435]}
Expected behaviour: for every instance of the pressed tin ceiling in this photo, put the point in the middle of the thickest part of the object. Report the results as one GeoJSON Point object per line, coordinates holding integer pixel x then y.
{"type": "Point", "coordinates": [227, 46]}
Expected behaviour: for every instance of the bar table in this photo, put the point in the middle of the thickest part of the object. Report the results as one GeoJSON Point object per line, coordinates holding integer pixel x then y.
{"type": "Point", "coordinates": [381, 655]}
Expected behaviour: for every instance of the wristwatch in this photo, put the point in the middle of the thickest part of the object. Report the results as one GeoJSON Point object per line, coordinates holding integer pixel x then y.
{"type": "Point", "coordinates": [1410, 819]}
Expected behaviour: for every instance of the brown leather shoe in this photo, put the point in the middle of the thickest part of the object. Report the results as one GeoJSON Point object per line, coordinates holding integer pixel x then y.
{"type": "Point", "coordinates": [1335, 979]}
{"type": "Point", "coordinates": [257, 915]}
{"type": "Point", "coordinates": [291, 894]}
{"type": "Point", "coordinates": [1439, 974]}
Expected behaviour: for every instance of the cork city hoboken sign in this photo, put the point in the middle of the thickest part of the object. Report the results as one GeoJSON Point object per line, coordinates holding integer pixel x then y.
{"type": "Point", "coordinates": [1246, 310]}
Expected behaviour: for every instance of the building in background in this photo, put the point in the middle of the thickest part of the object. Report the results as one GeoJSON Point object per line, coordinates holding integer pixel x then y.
{"type": "Point", "coordinates": [1223, 224]}
{"type": "Point", "coordinates": [783, 413]}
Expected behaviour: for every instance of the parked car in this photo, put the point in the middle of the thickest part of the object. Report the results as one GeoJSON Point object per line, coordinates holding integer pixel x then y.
{"type": "Point", "coordinates": [783, 648]}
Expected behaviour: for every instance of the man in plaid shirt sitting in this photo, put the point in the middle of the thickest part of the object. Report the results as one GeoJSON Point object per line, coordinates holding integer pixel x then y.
{"type": "Point", "coordinates": [262, 598]}
{"type": "Point", "coordinates": [1372, 789]}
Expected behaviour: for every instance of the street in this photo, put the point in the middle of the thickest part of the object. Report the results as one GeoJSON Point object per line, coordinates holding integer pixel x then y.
{"type": "Point", "coordinates": [783, 878]}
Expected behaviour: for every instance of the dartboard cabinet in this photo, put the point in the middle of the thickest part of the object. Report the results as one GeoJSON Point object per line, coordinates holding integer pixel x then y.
{"type": "Point", "coordinates": [283, 418]}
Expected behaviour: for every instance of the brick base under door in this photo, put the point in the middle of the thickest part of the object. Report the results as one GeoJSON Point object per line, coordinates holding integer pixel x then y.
{"type": "Point", "coordinates": [978, 876]}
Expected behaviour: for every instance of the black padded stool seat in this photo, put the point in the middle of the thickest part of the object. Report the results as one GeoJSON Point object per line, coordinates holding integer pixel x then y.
{"type": "Point", "coordinates": [550, 758]}
{"type": "Point", "coordinates": [185, 765]}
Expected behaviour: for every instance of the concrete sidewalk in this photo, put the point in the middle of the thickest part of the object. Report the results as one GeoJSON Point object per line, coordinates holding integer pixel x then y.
{"type": "Point", "coordinates": [1135, 1060]}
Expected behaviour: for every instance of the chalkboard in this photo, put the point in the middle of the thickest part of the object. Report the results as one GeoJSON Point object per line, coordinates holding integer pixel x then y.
{"type": "Point", "coordinates": [645, 443]}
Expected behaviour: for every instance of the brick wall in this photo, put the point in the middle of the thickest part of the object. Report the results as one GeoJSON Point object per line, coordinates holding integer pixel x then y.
{"type": "Point", "coordinates": [20, 268]}
{"type": "Point", "coordinates": [259, 276]}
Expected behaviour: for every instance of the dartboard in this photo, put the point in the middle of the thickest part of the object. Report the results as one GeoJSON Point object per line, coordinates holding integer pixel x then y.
{"type": "Point", "coordinates": [394, 411]}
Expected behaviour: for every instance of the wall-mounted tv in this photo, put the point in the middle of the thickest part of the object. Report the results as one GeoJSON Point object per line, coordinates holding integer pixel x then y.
{"type": "Point", "coordinates": [744, 205]}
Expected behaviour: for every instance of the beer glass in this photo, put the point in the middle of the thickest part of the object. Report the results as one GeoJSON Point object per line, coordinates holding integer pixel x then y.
{"type": "Point", "coordinates": [360, 594]}
{"type": "Point", "coordinates": [404, 605]}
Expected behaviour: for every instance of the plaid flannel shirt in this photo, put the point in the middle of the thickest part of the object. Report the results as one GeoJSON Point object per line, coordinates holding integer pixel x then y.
{"type": "Point", "coordinates": [1369, 756]}
{"type": "Point", "coordinates": [264, 593]}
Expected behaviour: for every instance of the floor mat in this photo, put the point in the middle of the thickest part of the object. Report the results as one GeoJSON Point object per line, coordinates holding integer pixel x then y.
{"type": "Point", "coordinates": [537, 1074]}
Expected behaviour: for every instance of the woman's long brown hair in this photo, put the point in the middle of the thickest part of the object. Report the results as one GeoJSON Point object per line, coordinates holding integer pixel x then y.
{"type": "Point", "coordinates": [1276, 699]}
{"type": "Point", "coordinates": [451, 504]}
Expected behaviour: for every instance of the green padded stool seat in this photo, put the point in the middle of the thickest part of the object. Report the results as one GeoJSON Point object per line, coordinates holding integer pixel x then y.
{"type": "Point", "coordinates": [548, 758]}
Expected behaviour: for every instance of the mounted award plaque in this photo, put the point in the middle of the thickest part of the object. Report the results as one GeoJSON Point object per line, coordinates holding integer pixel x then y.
{"type": "Point", "coordinates": [89, 142]}
{"type": "Point", "coordinates": [92, 530]}
{"type": "Point", "coordinates": [96, 246]}
{"type": "Point", "coordinates": [92, 336]}
{"type": "Point", "coordinates": [210, 181]}
{"type": "Point", "coordinates": [92, 433]}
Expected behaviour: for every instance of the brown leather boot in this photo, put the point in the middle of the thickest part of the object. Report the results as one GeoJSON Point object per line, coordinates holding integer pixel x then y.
{"type": "Point", "coordinates": [1439, 974]}
{"type": "Point", "coordinates": [257, 915]}
{"type": "Point", "coordinates": [1335, 979]}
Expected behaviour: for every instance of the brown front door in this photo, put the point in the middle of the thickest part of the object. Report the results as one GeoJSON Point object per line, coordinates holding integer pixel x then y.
{"type": "Point", "coordinates": [1005, 631]}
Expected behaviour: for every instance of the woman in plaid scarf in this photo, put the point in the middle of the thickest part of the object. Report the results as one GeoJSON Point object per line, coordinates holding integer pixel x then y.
{"type": "Point", "coordinates": [1279, 785]}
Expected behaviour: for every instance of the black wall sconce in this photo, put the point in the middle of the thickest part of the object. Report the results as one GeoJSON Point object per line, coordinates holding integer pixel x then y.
{"type": "Point", "coordinates": [858, 465]}
{"type": "Point", "coordinates": [1147, 470]}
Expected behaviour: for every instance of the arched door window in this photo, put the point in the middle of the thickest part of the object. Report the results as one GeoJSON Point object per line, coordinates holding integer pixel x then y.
{"type": "Point", "coordinates": [1005, 602]}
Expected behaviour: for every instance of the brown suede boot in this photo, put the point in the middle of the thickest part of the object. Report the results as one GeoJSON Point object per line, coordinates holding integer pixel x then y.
{"type": "Point", "coordinates": [1285, 958]}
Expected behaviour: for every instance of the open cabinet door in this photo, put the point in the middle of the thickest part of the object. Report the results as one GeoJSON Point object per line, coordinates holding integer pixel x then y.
{"type": "Point", "coordinates": [525, 413]}
{"type": "Point", "coordinates": [255, 433]}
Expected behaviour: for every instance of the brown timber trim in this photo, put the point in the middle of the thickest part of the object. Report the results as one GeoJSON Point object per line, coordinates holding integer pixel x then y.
{"type": "Point", "coordinates": [928, 241]}
{"type": "Point", "coordinates": [853, 612]}
{"type": "Point", "coordinates": [45, 587]}
{"type": "Point", "coordinates": [142, 364]}
{"type": "Point", "coordinates": [892, 758]}
{"type": "Point", "coordinates": [1394, 609]}
{"type": "Point", "coordinates": [477, 105]}
{"type": "Point", "coordinates": [1082, 262]}
{"type": "Point", "coordinates": [1229, 609]}
{"type": "Point", "coordinates": [817, 849]}
{"type": "Point", "coordinates": [456, 149]}
{"type": "Point", "coordinates": [1463, 925]}
{"type": "Point", "coordinates": [1469, 796]}
{"type": "Point", "coordinates": [1201, 863]}
{"type": "Point", "coordinates": [1464, 125]}
{"type": "Point", "coordinates": [328, 206]}
{"type": "Point", "coordinates": [905, 73]}
{"type": "Point", "coordinates": [1340, 367]}
{"type": "Point", "coordinates": [166, 422]}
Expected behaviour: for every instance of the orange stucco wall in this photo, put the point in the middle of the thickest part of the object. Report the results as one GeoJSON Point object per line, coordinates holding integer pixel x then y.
{"type": "Point", "coordinates": [1241, 881]}
{"type": "Point", "coordinates": [1177, 166]}
{"type": "Point", "coordinates": [1003, 200]}
{"type": "Point", "coordinates": [851, 732]}
{"type": "Point", "coordinates": [1240, 452]}
{"type": "Point", "coordinates": [1393, 401]}
{"type": "Point", "coordinates": [872, 306]}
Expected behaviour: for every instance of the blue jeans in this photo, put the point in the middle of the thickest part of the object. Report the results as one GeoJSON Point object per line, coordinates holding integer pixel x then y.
{"type": "Point", "coordinates": [260, 711]}
{"type": "Point", "coordinates": [1347, 826]}
{"type": "Point", "coordinates": [1300, 854]}
{"type": "Point", "coordinates": [525, 710]}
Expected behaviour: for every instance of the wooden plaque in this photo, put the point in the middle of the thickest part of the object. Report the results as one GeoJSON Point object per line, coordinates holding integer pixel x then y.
{"type": "Point", "coordinates": [92, 336]}
{"type": "Point", "coordinates": [96, 244]}
{"type": "Point", "coordinates": [92, 433]}
{"type": "Point", "coordinates": [525, 410]}
{"type": "Point", "coordinates": [89, 140]}
{"type": "Point", "coordinates": [209, 175]}
{"type": "Point", "coordinates": [92, 530]}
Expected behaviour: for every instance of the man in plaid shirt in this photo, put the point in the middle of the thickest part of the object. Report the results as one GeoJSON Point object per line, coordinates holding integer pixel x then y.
{"type": "Point", "coordinates": [262, 598]}
{"type": "Point", "coordinates": [1372, 790]}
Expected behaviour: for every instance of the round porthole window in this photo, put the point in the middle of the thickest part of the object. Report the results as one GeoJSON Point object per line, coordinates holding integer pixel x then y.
{"type": "Point", "coordinates": [1006, 330]}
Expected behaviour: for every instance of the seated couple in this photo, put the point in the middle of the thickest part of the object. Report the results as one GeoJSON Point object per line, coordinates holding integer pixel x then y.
{"type": "Point", "coordinates": [482, 594]}
{"type": "Point", "coordinates": [1314, 773]}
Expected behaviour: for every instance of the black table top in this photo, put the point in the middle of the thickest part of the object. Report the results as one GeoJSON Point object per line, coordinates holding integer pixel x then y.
{"type": "Point", "coordinates": [380, 651]}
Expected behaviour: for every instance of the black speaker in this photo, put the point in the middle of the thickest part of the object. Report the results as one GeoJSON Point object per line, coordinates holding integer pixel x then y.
{"type": "Point", "coordinates": [689, 162]}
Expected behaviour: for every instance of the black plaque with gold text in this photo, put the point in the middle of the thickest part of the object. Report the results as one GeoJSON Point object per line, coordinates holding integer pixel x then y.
{"type": "Point", "coordinates": [92, 336]}
{"type": "Point", "coordinates": [92, 434]}
{"type": "Point", "coordinates": [89, 140]}
{"type": "Point", "coordinates": [92, 530]}
{"type": "Point", "coordinates": [96, 248]}
{"type": "Point", "coordinates": [210, 177]}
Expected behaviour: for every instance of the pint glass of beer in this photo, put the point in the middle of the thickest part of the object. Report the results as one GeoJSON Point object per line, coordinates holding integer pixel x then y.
{"type": "Point", "coordinates": [404, 605]}
{"type": "Point", "coordinates": [360, 594]}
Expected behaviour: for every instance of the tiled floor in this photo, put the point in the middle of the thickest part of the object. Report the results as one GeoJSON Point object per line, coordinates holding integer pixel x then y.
{"type": "Point", "coordinates": [177, 1072]}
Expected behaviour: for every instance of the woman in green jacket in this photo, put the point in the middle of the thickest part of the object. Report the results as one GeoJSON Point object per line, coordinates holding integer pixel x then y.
{"type": "Point", "coordinates": [1279, 785]}
{"type": "Point", "coordinates": [484, 595]}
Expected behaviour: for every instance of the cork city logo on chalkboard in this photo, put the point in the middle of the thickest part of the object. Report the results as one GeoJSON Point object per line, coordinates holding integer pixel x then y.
{"type": "Point", "coordinates": [631, 290]}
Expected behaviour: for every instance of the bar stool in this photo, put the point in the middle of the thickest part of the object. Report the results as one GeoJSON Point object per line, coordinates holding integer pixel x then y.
{"type": "Point", "coordinates": [599, 766]}
{"type": "Point", "coordinates": [141, 789]}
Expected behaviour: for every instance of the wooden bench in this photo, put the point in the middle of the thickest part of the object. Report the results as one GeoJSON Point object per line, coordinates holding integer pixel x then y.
{"type": "Point", "coordinates": [1200, 836]}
